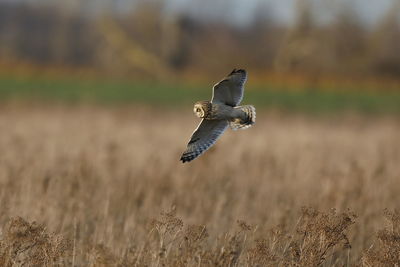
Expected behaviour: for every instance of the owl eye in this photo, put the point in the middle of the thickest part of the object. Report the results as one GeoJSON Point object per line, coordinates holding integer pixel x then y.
{"type": "Point", "coordinates": [198, 109]}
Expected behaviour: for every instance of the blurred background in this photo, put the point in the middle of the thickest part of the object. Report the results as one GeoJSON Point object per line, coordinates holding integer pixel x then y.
{"type": "Point", "coordinates": [301, 54]}
{"type": "Point", "coordinates": [96, 101]}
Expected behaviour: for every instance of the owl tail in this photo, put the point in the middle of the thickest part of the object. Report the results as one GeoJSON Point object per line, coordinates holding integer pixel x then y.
{"type": "Point", "coordinates": [247, 118]}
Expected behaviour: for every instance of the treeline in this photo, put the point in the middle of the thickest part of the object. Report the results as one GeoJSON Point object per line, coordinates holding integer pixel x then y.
{"type": "Point", "coordinates": [146, 41]}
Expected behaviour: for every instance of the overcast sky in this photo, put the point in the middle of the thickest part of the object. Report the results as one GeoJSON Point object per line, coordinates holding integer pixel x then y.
{"type": "Point", "coordinates": [282, 10]}
{"type": "Point", "coordinates": [239, 12]}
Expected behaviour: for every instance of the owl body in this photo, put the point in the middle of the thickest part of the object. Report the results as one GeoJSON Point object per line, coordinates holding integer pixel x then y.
{"type": "Point", "coordinates": [220, 113]}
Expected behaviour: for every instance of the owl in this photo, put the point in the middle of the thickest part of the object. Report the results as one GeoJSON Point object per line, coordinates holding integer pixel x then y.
{"type": "Point", "coordinates": [219, 114]}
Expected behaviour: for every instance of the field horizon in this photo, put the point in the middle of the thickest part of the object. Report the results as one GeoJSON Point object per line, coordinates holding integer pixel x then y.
{"type": "Point", "coordinates": [325, 96]}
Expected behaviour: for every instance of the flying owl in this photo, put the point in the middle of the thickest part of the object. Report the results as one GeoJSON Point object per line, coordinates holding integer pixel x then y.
{"type": "Point", "coordinates": [219, 113]}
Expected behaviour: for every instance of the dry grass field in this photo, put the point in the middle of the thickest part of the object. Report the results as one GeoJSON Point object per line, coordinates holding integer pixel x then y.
{"type": "Point", "coordinates": [97, 186]}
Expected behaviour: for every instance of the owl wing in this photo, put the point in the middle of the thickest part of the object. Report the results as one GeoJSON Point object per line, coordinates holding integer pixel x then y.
{"type": "Point", "coordinates": [205, 135]}
{"type": "Point", "coordinates": [230, 90]}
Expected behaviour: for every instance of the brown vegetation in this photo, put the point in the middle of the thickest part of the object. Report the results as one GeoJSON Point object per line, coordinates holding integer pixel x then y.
{"type": "Point", "coordinates": [106, 188]}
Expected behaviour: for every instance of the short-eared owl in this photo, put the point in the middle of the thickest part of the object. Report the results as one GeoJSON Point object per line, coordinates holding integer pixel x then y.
{"type": "Point", "coordinates": [219, 113]}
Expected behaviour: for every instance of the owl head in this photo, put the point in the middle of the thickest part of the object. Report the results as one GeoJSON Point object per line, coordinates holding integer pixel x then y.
{"type": "Point", "coordinates": [202, 109]}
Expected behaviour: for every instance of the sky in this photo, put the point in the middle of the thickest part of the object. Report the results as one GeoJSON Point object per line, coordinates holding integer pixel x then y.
{"type": "Point", "coordinates": [239, 12]}
{"type": "Point", "coordinates": [284, 10]}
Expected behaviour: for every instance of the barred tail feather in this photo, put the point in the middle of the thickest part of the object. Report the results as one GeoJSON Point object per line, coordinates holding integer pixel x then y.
{"type": "Point", "coordinates": [247, 120]}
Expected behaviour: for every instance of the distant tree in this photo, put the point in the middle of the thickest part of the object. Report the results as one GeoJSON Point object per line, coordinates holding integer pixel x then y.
{"type": "Point", "coordinates": [44, 35]}
{"type": "Point", "coordinates": [384, 49]}
{"type": "Point", "coordinates": [299, 46]}
{"type": "Point", "coordinates": [346, 38]}
{"type": "Point", "coordinates": [262, 38]}
{"type": "Point", "coordinates": [185, 29]}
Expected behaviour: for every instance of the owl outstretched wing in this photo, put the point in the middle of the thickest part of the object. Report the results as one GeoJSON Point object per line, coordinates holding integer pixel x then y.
{"type": "Point", "coordinates": [203, 138]}
{"type": "Point", "coordinates": [230, 90]}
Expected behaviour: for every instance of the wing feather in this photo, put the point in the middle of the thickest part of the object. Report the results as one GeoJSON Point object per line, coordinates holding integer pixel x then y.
{"type": "Point", "coordinates": [205, 135]}
{"type": "Point", "coordinates": [230, 90]}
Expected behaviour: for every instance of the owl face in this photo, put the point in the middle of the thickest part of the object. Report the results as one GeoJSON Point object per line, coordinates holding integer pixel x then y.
{"type": "Point", "coordinates": [202, 109]}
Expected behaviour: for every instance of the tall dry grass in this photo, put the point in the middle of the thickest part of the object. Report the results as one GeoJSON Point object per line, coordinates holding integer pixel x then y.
{"type": "Point", "coordinates": [106, 188]}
